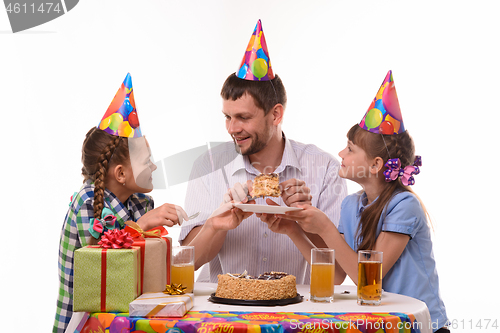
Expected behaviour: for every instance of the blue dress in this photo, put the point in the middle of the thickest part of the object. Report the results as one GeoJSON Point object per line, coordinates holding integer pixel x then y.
{"type": "Point", "coordinates": [414, 274]}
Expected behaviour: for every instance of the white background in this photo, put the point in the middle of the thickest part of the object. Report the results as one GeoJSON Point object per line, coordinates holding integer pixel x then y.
{"type": "Point", "coordinates": [57, 80]}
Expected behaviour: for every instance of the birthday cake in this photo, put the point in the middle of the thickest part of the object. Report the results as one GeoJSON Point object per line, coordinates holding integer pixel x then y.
{"type": "Point", "coordinates": [267, 286]}
{"type": "Point", "coordinates": [266, 185]}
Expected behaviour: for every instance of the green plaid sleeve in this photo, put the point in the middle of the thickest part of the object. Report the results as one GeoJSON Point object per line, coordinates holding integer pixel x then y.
{"type": "Point", "coordinates": [74, 235]}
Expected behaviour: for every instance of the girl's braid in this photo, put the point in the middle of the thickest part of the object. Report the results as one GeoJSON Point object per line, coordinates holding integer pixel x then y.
{"type": "Point", "coordinates": [402, 147]}
{"type": "Point", "coordinates": [100, 175]}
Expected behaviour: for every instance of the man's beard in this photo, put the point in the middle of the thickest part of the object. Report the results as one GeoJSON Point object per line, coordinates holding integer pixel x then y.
{"type": "Point", "coordinates": [256, 146]}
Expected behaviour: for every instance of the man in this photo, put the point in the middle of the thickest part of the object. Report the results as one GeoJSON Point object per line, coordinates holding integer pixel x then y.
{"type": "Point", "coordinates": [254, 102]}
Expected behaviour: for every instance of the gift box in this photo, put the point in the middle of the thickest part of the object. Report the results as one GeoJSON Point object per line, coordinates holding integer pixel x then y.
{"type": "Point", "coordinates": [161, 305]}
{"type": "Point", "coordinates": [77, 322]}
{"type": "Point", "coordinates": [105, 279]}
{"type": "Point", "coordinates": [156, 252]}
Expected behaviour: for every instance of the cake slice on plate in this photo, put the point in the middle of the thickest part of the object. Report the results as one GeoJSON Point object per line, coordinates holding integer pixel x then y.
{"type": "Point", "coordinates": [266, 185]}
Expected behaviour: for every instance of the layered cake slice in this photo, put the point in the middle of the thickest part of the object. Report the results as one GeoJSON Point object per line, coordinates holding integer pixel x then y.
{"type": "Point", "coordinates": [266, 185]}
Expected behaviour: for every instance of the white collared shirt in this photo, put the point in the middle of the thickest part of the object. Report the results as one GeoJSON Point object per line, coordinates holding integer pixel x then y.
{"type": "Point", "coordinates": [252, 246]}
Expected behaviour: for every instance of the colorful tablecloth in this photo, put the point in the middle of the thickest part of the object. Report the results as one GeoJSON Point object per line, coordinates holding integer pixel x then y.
{"type": "Point", "coordinates": [396, 314]}
{"type": "Point", "coordinates": [263, 322]}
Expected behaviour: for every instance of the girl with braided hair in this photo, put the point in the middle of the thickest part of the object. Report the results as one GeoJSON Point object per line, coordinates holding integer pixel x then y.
{"type": "Point", "coordinates": [384, 216]}
{"type": "Point", "coordinates": [117, 172]}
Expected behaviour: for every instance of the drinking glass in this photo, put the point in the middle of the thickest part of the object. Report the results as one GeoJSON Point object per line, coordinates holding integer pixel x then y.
{"type": "Point", "coordinates": [183, 267]}
{"type": "Point", "coordinates": [322, 275]}
{"type": "Point", "coordinates": [369, 277]}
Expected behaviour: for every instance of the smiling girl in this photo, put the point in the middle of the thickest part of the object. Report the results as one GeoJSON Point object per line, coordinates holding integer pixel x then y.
{"type": "Point", "coordinates": [117, 172]}
{"type": "Point", "coordinates": [385, 216]}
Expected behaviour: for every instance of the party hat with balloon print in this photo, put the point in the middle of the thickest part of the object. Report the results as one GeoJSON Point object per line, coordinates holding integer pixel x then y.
{"type": "Point", "coordinates": [384, 115]}
{"type": "Point", "coordinates": [121, 117]}
{"type": "Point", "coordinates": [256, 65]}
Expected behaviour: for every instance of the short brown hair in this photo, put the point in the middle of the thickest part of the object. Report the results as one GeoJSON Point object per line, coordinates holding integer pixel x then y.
{"type": "Point", "coordinates": [266, 94]}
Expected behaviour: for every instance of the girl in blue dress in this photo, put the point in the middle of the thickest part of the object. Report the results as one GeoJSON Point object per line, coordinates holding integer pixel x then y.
{"type": "Point", "coordinates": [385, 216]}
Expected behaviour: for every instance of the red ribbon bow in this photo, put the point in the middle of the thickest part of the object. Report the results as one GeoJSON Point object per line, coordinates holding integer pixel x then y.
{"type": "Point", "coordinates": [116, 239]}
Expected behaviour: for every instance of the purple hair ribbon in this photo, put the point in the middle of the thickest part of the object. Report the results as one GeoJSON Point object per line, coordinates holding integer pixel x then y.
{"type": "Point", "coordinates": [406, 174]}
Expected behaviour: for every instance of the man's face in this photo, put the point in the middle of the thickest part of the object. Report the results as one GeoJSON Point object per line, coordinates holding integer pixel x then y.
{"type": "Point", "coordinates": [250, 129]}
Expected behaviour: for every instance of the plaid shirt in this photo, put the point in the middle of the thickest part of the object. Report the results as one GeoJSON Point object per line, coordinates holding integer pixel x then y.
{"type": "Point", "coordinates": [75, 235]}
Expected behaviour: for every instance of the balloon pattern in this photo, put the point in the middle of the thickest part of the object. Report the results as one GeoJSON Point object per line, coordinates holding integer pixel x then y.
{"type": "Point", "coordinates": [256, 65]}
{"type": "Point", "coordinates": [255, 322]}
{"type": "Point", "coordinates": [121, 118]}
{"type": "Point", "coordinates": [93, 325]}
{"type": "Point", "coordinates": [384, 114]}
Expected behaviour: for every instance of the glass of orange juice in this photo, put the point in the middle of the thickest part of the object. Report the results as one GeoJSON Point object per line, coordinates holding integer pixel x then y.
{"type": "Point", "coordinates": [322, 275]}
{"type": "Point", "coordinates": [183, 267]}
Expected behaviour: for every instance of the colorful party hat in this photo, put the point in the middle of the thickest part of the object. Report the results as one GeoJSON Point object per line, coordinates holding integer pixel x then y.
{"type": "Point", "coordinates": [121, 117]}
{"type": "Point", "coordinates": [384, 115]}
{"type": "Point", "coordinates": [256, 65]}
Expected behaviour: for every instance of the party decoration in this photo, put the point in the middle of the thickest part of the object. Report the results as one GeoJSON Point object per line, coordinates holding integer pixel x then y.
{"type": "Point", "coordinates": [136, 231]}
{"type": "Point", "coordinates": [93, 325]}
{"type": "Point", "coordinates": [105, 280]}
{"type": "Point", "coordinates": [120, 324]}
{"type": "Point", "coordinates": [161, 305]}
{"type": "Point", "coordinates": [394, 170]}
{"type": "Point", "coordinates": [260, 322]}
{"type": "Point", "coordinates": [116, 239]}
{"type": "Point", "coordinates": [174, 289]}
{"type": "Point", "coordinates": [256, 65]}
{"type": "Point", "coordinates": [156, 252]}
{"type": "Point", "coordinates": [121, 118]}
{"type": "Point", "coordinates": [384, 115]}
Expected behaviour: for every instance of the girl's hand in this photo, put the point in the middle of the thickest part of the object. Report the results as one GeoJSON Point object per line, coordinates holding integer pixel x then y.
{"type": "Point", "coordinates": [165, 215]}
{"type": "Point", "coordinates": [310, 219]}
{"type": "Point", "coordinates": [275, 222]}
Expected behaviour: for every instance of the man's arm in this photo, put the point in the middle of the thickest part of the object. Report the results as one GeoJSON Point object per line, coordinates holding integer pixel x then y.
{"type": "Point", "coordinates": [207, 245]}
{"type": "Point", "coordinates": [209, 238]}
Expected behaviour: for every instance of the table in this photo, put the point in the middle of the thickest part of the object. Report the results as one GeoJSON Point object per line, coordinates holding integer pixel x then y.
{"type": "Point", "coordinates": [397, 313]}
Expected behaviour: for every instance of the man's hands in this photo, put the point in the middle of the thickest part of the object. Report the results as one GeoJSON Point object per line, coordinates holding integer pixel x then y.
{"type": "Point", "coordinates": [238, 193]}
{"type": "Point", "coordinates": [295, 192]}
{"type": "Point", "coordinates": [227, 217]}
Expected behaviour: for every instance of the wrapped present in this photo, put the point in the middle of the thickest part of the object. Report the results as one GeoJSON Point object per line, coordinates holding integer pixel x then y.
{"type": "Point", "coordinates": [156, 252]}
{"type": "Point", "coordinates": [77, 322]}
{"type": "Point", "coordinates": [106, 279]}
{"type": "Point", "coordinates": [161, 305]}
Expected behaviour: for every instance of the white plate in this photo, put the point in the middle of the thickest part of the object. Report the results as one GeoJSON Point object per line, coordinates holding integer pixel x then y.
{"type": "Point", "coordinates": [265, 208]}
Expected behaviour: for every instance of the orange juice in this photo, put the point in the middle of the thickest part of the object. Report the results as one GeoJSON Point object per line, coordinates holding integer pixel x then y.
{"type": "Point", "coordinates": [184, 274]}
{"type": "Point", "coordinates": [322, 280]}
